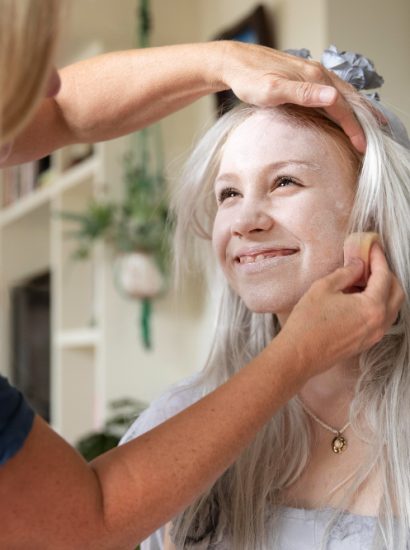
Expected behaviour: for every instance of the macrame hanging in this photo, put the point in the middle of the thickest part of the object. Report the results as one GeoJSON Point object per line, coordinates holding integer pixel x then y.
{"type": "Point", "coordinates": [141, 273]}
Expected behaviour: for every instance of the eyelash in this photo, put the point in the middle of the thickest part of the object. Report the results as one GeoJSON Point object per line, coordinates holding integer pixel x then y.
{"type": "Point", "coordinates": [229, 192]}
{"type": "Point", "coordinates": [282, 179]}
{"type": "Point", "coordinates": [226, 193]}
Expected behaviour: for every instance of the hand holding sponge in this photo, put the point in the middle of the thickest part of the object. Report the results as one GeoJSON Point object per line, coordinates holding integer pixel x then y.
{"type": "Point", "coordinates": [358, 245]}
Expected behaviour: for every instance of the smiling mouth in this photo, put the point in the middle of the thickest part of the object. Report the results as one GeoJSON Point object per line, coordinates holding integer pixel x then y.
{"type": "Point", "coordinates": [254, 258]}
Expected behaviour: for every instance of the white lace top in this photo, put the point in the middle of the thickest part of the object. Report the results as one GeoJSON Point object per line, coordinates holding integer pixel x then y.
{"type": "Point", "coordinates": [300, 529]}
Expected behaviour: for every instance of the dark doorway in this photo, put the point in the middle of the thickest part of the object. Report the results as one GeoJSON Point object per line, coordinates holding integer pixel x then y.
{"type": "Point", "coordinates": [31, 342]}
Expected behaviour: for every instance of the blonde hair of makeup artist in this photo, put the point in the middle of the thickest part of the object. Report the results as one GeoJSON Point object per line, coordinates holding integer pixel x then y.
{"type": "Point", "coordinates": [28, 36]}
{"type": "Point", "coordinates": [249, 492]}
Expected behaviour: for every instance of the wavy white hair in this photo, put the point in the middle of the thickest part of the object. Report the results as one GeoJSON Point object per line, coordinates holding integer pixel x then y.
{"type": "Point", "coordinates": [250, 490]}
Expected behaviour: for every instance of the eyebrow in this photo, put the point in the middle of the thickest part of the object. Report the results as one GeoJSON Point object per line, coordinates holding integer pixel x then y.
{"type": "Point", "coordinates": [231, 176]}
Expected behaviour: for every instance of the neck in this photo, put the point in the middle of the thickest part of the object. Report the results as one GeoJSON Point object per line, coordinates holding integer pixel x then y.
{"type": "Point", "coordinates": [334, 385]}
{"type": "Point", "coordinates": [330, 393]}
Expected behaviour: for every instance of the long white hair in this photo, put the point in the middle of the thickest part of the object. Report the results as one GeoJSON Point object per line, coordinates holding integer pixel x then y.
{"type": "Point", "coordinates": [240, 502]}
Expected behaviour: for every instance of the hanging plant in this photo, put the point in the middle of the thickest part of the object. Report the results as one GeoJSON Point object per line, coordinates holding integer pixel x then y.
{"type": "Point", "coordinates": [138, 227]}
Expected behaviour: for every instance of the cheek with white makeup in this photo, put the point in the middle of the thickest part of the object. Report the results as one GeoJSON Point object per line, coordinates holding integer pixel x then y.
{"type": "Point", "coordinates": [322, 245]}
{"type": "Point", "coordinates": [311, 218]}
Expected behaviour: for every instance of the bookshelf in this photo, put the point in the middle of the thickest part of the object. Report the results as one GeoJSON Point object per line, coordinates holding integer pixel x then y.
{"type": "Point", "coordinates": [34, 240]}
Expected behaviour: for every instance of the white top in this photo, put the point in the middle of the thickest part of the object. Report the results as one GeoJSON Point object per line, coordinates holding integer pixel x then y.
{"type": "Point", "coordinates": [300, 529]}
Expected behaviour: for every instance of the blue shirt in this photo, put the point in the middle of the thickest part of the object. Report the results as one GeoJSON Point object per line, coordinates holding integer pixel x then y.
{"type": "Point", "coordinates": [16, 420]}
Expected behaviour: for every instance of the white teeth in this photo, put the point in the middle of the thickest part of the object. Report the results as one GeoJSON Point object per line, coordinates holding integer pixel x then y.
{"type": "Point", "coordinates": [251, 259]}
{"type": "Point", "coordinates": [260, 257]}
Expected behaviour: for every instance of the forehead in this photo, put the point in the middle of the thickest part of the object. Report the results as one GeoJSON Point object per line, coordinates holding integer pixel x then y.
{"type": "Point", "coordinates": [267, 137]}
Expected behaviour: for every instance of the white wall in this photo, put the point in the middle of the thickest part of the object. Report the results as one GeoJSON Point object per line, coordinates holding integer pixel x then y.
{"type": "Point", "coordinates": [380, 30]}
{"type": "Point", "coordinates": [110, 22]}
{"type": "Point", "coordinates": [302, 24]}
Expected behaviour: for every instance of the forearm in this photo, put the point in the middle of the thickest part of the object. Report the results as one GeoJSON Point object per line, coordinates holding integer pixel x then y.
{"type": "Point", "coordinates": [129, 492]}
{"type": "Point", "coordinates": [117, 93]}
{"type": "Point", "coordinates": [166, 468]}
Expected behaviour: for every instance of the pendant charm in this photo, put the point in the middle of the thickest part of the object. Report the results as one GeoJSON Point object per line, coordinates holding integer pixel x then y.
{"type": "Point", "coordinates": [339, 444]}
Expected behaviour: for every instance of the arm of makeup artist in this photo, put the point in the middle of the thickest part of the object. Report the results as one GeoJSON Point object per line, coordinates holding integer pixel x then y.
{"type": "Point", "coordinates": [51, 498]}
{"type": "Point", "coordinates": [117, 93]}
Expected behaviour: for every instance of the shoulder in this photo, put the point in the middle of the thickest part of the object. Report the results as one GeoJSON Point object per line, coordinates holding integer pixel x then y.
{"type": "Point", "coordinates": [177, 398]}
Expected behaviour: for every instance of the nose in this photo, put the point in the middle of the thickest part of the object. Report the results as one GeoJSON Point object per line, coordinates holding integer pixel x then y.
{"type": "Point", "coordinates": [251, 219]}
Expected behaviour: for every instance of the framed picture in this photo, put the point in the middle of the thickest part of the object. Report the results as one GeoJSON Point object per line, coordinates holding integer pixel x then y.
{"type": "Point", "coordinates": [253, 29]}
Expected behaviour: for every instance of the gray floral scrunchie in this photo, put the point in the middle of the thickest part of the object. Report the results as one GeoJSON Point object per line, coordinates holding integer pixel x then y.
{"type": "Point", "coordinates": [359, 71]}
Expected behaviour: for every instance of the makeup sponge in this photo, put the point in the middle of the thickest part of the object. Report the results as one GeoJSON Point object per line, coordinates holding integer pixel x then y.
{"type": "Point", "coordinates": [358, 245]}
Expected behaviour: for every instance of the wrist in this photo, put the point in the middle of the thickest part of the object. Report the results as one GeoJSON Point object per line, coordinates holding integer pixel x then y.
{"type": "Point", "coordinates": [296, 363]}
{"type": "Point", "coordinates": [218, 53]}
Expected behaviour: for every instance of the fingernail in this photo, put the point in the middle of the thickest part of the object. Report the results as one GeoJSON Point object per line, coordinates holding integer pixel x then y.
{"type": "Point", "coordinates": [327, 95]}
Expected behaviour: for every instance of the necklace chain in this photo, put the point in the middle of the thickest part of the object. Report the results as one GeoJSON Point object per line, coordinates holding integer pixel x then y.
{"type": "Point", "coordinates": [323, 424]}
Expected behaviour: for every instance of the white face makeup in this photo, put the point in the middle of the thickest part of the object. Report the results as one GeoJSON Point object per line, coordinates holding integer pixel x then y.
{"type": "Point", "coordinates": [284, 196]}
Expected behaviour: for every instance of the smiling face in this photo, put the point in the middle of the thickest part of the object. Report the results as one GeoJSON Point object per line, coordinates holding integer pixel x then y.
{"type": "Point", "coordinates": [284, 196]}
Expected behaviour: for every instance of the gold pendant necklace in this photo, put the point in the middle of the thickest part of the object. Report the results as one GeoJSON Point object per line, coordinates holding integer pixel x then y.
{"type": "Point", "coordinates": [339, 443]}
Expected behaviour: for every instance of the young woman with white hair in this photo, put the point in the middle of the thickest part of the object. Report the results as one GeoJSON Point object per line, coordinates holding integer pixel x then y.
{"type": "Point", "coordinates": [49, 497]}
{"type": "Point", "coordinates": [275, 192]}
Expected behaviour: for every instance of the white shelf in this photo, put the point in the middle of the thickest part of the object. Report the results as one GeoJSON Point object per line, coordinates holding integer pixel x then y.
{"type": "Point", "coordinates": [67, 180]}
{"type": "Point", "coordinates": [78, 174]}
{"type": "Point", "coordinates": [79, 338]}
{"type": "Point", "coordinates": [25, 205]}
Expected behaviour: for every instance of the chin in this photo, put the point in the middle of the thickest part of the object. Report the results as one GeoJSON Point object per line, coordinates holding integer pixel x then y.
{"type": "Point", "coordinates": [279, 307]}
{"type": "Point", "coordinates": [278, 299]}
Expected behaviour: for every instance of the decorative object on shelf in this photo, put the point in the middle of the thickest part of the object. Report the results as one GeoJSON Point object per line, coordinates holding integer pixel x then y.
{"type": "Point", "coordinates": [137, 228]}
{"type": "Point", "coordinates": [139, 277]}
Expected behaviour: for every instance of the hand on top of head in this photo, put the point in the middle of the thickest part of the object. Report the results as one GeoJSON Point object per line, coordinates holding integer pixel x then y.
{"type": "Point", "coordinates": [266, 77]}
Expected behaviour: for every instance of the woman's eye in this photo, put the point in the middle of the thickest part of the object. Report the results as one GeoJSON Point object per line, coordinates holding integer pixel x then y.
{"type": "Point", "coordinates": [285, 181]}
{"type": "Point", "coordinates": [227, 193]}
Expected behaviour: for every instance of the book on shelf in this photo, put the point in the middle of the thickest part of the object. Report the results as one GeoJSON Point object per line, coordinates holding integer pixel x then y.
{"type": "Point", "coordinates": [20, 181]}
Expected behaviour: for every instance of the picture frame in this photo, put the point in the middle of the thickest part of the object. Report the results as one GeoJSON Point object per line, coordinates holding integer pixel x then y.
{"type": "Point", "coordinates": [255, 28]}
